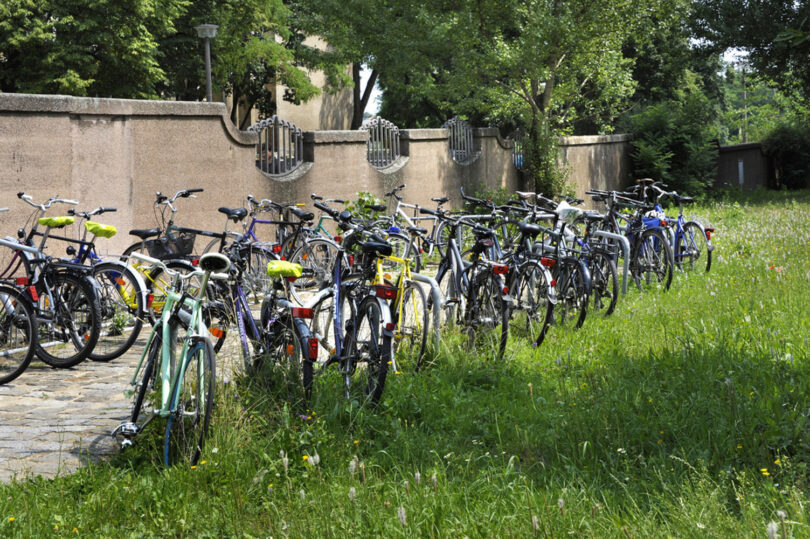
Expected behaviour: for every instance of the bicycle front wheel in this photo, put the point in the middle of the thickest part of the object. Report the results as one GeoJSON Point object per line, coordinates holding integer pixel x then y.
{"type": "Point", "coordinates": [371, 345]}
{"type": "Point", "coordinates": [72, 331]}
{"type": "Point", "coordinates": [652, 261]}
{"type": "Point", "coordinates": [487, 314]}
{"type": "Point", "coordinates": [122, 310]}
{"type": "Point", "coordinates": [692, 248]}
{"type": "Point", "coordinates": [532, 313]}
{"type": "Point", "coordinates": [17, 333]}
{"type": "Point", "coordinates": [191, 406]}
{"type": "Point", "coordinates": [317, 257]}
{"type": "Point", "coordinates": [604, 282]}
{"type": "Point", "coordinates": [572, 295]}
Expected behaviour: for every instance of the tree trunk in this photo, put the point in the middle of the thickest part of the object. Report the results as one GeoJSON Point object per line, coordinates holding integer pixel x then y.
{"type": "Point", "coordinates": [360, 99]}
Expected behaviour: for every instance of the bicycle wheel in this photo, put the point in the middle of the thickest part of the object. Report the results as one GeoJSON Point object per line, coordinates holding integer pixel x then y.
{"type": "Point", "coordinates": [370, 345]}
{"type": "Point", "coordinates": [533, 311]}
{"type": "Point", "coordinates": [604, 282]}
{"type": "Point", "coordinates": [158, 283]}
{"type": "Point", "coordinates": [74, 323]}
{"type": "Point", "coordinates": [191, 405]}
{"type": "Point", "coordinates": [144, 390]}
{"type": "Point", "coordinates": [691, 247]}
{"type": "Point", "coordinates": [17, 333]}
{"type": "Point", "coordinates": [442, 237]}
{"type": "Point", "coordinates": [652, 261]}
{"type": "Point", "coordinates": [255, 279]}
{"type": "Point", "coordinates": [486, 317]}
{"type": "Point", "coordinates": [572, 295]}
{"type": "Point", "coordinates": [410, 333]}
{"type": "Point", "coordinates": [453, 299]}
{"type": "Point", "coordinates": [317, 257]}
{"type": "Point", "coordinates": [122, 310]}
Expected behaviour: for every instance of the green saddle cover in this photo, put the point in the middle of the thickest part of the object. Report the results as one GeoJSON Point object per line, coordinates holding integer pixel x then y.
{"type": "Point", "coordinates": [282, 268]}
{"type": "Point", "coordinates": [56, 222]}
{"type": "Point", "coordinates": [102, 231]}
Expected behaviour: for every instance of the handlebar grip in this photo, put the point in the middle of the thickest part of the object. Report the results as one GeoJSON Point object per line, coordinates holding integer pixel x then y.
{"type": "Point", "coordinates": [195, 190]}
{"type": "Point", "coordinates": [105, 209]}
{"type": "Point", "coordinates": [313, 196]}
{"type": "Point", "coordinates": [20, 194]}
{"type": "Point", "coordinates": [324, 207]}
{"type": "Point", "coordinates": [428, 211]}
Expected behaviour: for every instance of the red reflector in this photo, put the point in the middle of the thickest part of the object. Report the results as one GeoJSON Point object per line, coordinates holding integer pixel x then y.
{"type": "Point", "coordinates": [276, 249]}
{"type": "Point", "coordinates": [548, 262]}
{"type": "Point", "coordinates": [32, 290]}
{"type": "Point", "coordinates": [663, 222]}
{"type": "Point", "coordinates": [386, 292]}
{"type": "Point", "coordinates": [505, 289]}
{"type": "Point", "coordinates": [709, 233]}
{"type": "Point", "coordinates": [312, 348]}
{"type": "Point", "coordinates": [22, 281]}
{"type": "Point", "coordinates": [338, 239]}
{"type": "Point", "coordinates": [150, 297]}
{"type": "Point", "coordinates": [499, 269]}
{"type": "Point", "coordinates": [300, 312]}
{"type": "Point", "coordinates": [390, 326]}
{"type": "Point", "coordinates": [216, 332]}
{"type": "Point", "coordinates": [195, 261]}
{"type": "Point", "coordinates": [554, 282]}
{"type": "Point", "coordinates": [283, 258]}
{"type": "Point", "coordinates": [291, 279]}
{"type": "Point", "coordinates": [351, 260]}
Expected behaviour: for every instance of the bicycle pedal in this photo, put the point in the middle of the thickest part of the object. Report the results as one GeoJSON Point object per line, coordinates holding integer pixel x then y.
{"type": "Point", "coordinates": [127, 429]}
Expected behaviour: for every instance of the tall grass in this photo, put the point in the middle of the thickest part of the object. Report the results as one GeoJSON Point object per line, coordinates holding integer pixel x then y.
{"type": "Point", "coordinates": [684, 414]}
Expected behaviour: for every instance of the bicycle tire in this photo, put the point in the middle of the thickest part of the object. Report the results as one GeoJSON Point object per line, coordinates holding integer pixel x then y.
{"type": "Point", "coordinates": [255, 279]}
{"type": "Point", "coordinates": [374, 344]}
{"type": "Point", "coordinates": [318, 256]}
{"type": "Point", "coordinates": [572, 295]}
{"type": "Point", "coordinates": [146, 383]}
{"type": "Point", "coordinates": [533, 311]}
{"type": "Point", "coordinates": [191, 406]}
{"type": "Point", "coordinates": [652, 261]}
{"type": "Point", "coordinates": [18, 330]}
{"type": "Point", "coordinates": [486, 316]}
{"type": "Point", "coordinates": [76, 323]}
{"type": "Point", "coordinates": [691, 246]}
{"type": "Point", "coordinates": [410, 333]}
{"type": "Point", "coordinates": [122, 310]}
{"type": "Point", "coordinates": [604, 282]}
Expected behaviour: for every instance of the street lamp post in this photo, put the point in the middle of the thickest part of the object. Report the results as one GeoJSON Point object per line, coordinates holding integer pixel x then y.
{"type": "Point", "coordinates": [207, 31]}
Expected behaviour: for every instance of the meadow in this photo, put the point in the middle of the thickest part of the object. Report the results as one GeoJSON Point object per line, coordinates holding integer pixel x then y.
{"type": "Point", "coordinates": [681, 415]}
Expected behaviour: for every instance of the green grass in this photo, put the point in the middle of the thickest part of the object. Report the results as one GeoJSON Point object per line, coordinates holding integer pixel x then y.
{"type": "Point", "coordinates": [682, 415]}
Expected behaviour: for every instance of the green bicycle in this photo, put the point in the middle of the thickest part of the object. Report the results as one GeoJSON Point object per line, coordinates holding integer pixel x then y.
{"type": "Point", "coordinates": [172, 382]}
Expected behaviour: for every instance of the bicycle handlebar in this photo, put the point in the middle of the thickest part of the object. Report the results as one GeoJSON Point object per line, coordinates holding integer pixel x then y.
{"type": "Point", "coordinates": [29, 200]}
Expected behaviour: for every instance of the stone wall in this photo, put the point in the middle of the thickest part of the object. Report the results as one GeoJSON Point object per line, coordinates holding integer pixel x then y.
{"type": "Point", "coordinates": [118, 153]}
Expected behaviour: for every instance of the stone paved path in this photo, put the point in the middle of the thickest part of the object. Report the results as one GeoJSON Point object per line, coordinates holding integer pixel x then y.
{"type": "Point", "coordinates": [53, 421]}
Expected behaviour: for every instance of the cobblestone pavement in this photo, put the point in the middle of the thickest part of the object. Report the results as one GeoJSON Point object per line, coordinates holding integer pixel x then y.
{"type": "Point", "coordinates": [53, 421]}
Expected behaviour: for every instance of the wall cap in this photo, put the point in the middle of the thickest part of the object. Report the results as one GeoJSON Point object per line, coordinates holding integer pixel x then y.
{"type": "Point", "coordinates": [594, 139]}
{"type": "Point", "coordinates": [335, 137]}
{"type": "Point", "coordinates": [424, 134]}
{"type": "Point", "coordinates": [97, 106]}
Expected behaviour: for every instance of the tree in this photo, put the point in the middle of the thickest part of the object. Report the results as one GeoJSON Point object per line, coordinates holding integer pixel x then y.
{"type": "Point", "coordinates": [772, 31]}
{"type": "Point", "coordinates": [84, 47]}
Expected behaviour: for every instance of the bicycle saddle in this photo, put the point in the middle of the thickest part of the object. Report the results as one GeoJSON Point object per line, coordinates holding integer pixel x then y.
{"type": "Point", "coordinates": [144, 233]}
{"type": "Point", "coordinates": [234, 215]}
{"type": "Point", "coordinates": [529, 230]}
{"type": "Point", "coordinates": [303, 215]}
{"type": "Point", "coordinates": [214, 262]}
{"type": "Point", "coordinates": [376, 207]}
{"type": "Point", "coordinates": [378, 247]}
{"type": "Point", "coordinates": [440, 200]}
{"type": "Point", "coordinates": [417, 230]}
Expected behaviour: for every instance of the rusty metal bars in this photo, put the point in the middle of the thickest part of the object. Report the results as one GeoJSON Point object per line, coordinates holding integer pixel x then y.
{"type": "Point", "coordinates": [461, 139]}
{"type": "Point", "coordinates": [383, 146]}
{"type": "Point", "coordinates": [280, 149]}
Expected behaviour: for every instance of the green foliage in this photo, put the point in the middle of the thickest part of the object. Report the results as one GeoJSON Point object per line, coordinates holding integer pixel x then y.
{"type": "Point", "coordinates": [358, 206]}
{"type": "Point", "coordinates": [789, 146]}
{"type": "Point", "coordinates": [642, 424]}
{"type": "Point", "coordinates": [675, 141]}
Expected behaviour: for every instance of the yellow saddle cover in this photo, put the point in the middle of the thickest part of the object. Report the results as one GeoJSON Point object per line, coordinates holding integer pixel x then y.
{"type": "Point", "coordinates": [282, 268]}
{"type": "Point", "coordinates": [102, 231]}
{"type": "Point", "coordinates": [56, 222]}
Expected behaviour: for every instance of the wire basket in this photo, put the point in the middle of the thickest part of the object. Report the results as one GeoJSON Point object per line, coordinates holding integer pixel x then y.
{"type": "Point", "coordinates": [176, 246]}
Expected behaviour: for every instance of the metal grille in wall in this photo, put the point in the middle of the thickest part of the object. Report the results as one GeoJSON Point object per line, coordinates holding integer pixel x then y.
{"type": "Point", "coordinates": [383, 142]}
{"type": "Point", "coordinates": [461, 140]}
{"type": "Point", "coordinates": [280, 149]}
{"type": "Point", "coordinates": [518, 149]}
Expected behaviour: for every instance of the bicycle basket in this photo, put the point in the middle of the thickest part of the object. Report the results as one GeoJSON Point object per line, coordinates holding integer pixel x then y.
{"type": "Point", "coordinates": [177, 246]}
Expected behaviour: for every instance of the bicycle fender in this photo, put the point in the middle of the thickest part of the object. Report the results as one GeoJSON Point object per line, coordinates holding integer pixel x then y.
{"type": "Point", "coordinates": [133, 274]}
{"type": "Point", "coordinates": [552, 293]}
{"type": "Point", "coordinates": [586, 273]}
{"type": "Point", "coordinates": [387, 319]}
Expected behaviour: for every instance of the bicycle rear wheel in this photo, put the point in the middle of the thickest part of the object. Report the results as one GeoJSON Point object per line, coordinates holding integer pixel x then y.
{"type": "Point", "coordinates": [17, 333]}
{"type": "Point", "coordinates": [652, 261]}
{"type": "Point", "coordinates": [604, 282]}
{"type": "Point", "coordinates": [122, 310]}
{"type": "Point", "coordinates": [371, 345]}
{"type": "Point", "coordinates": [72, 332]}
{"type": "Point", "coordinates": [486, 316]}
{"type": "Point", "coordinates": [533, 311]}
{"type": "Point", "coordinates": [410, 335]}
{"type": "Point", "coordinates": [691, 247]}
{"type": "Point", "coordinates": [317, 257]}
{"type": "Point", "coordinates": [572, 295]}
{"type": "Point", "coordinates": [191, 406]}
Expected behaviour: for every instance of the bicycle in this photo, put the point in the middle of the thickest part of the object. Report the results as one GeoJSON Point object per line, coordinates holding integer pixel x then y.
{"type": "Point", "coordinates": [177, 386]}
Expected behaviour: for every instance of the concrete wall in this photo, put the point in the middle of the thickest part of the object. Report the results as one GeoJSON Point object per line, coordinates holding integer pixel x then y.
{"type": "Point", "coordinates": [743, 166]}
{"type": "Point", "coordinates": [115, 152]}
